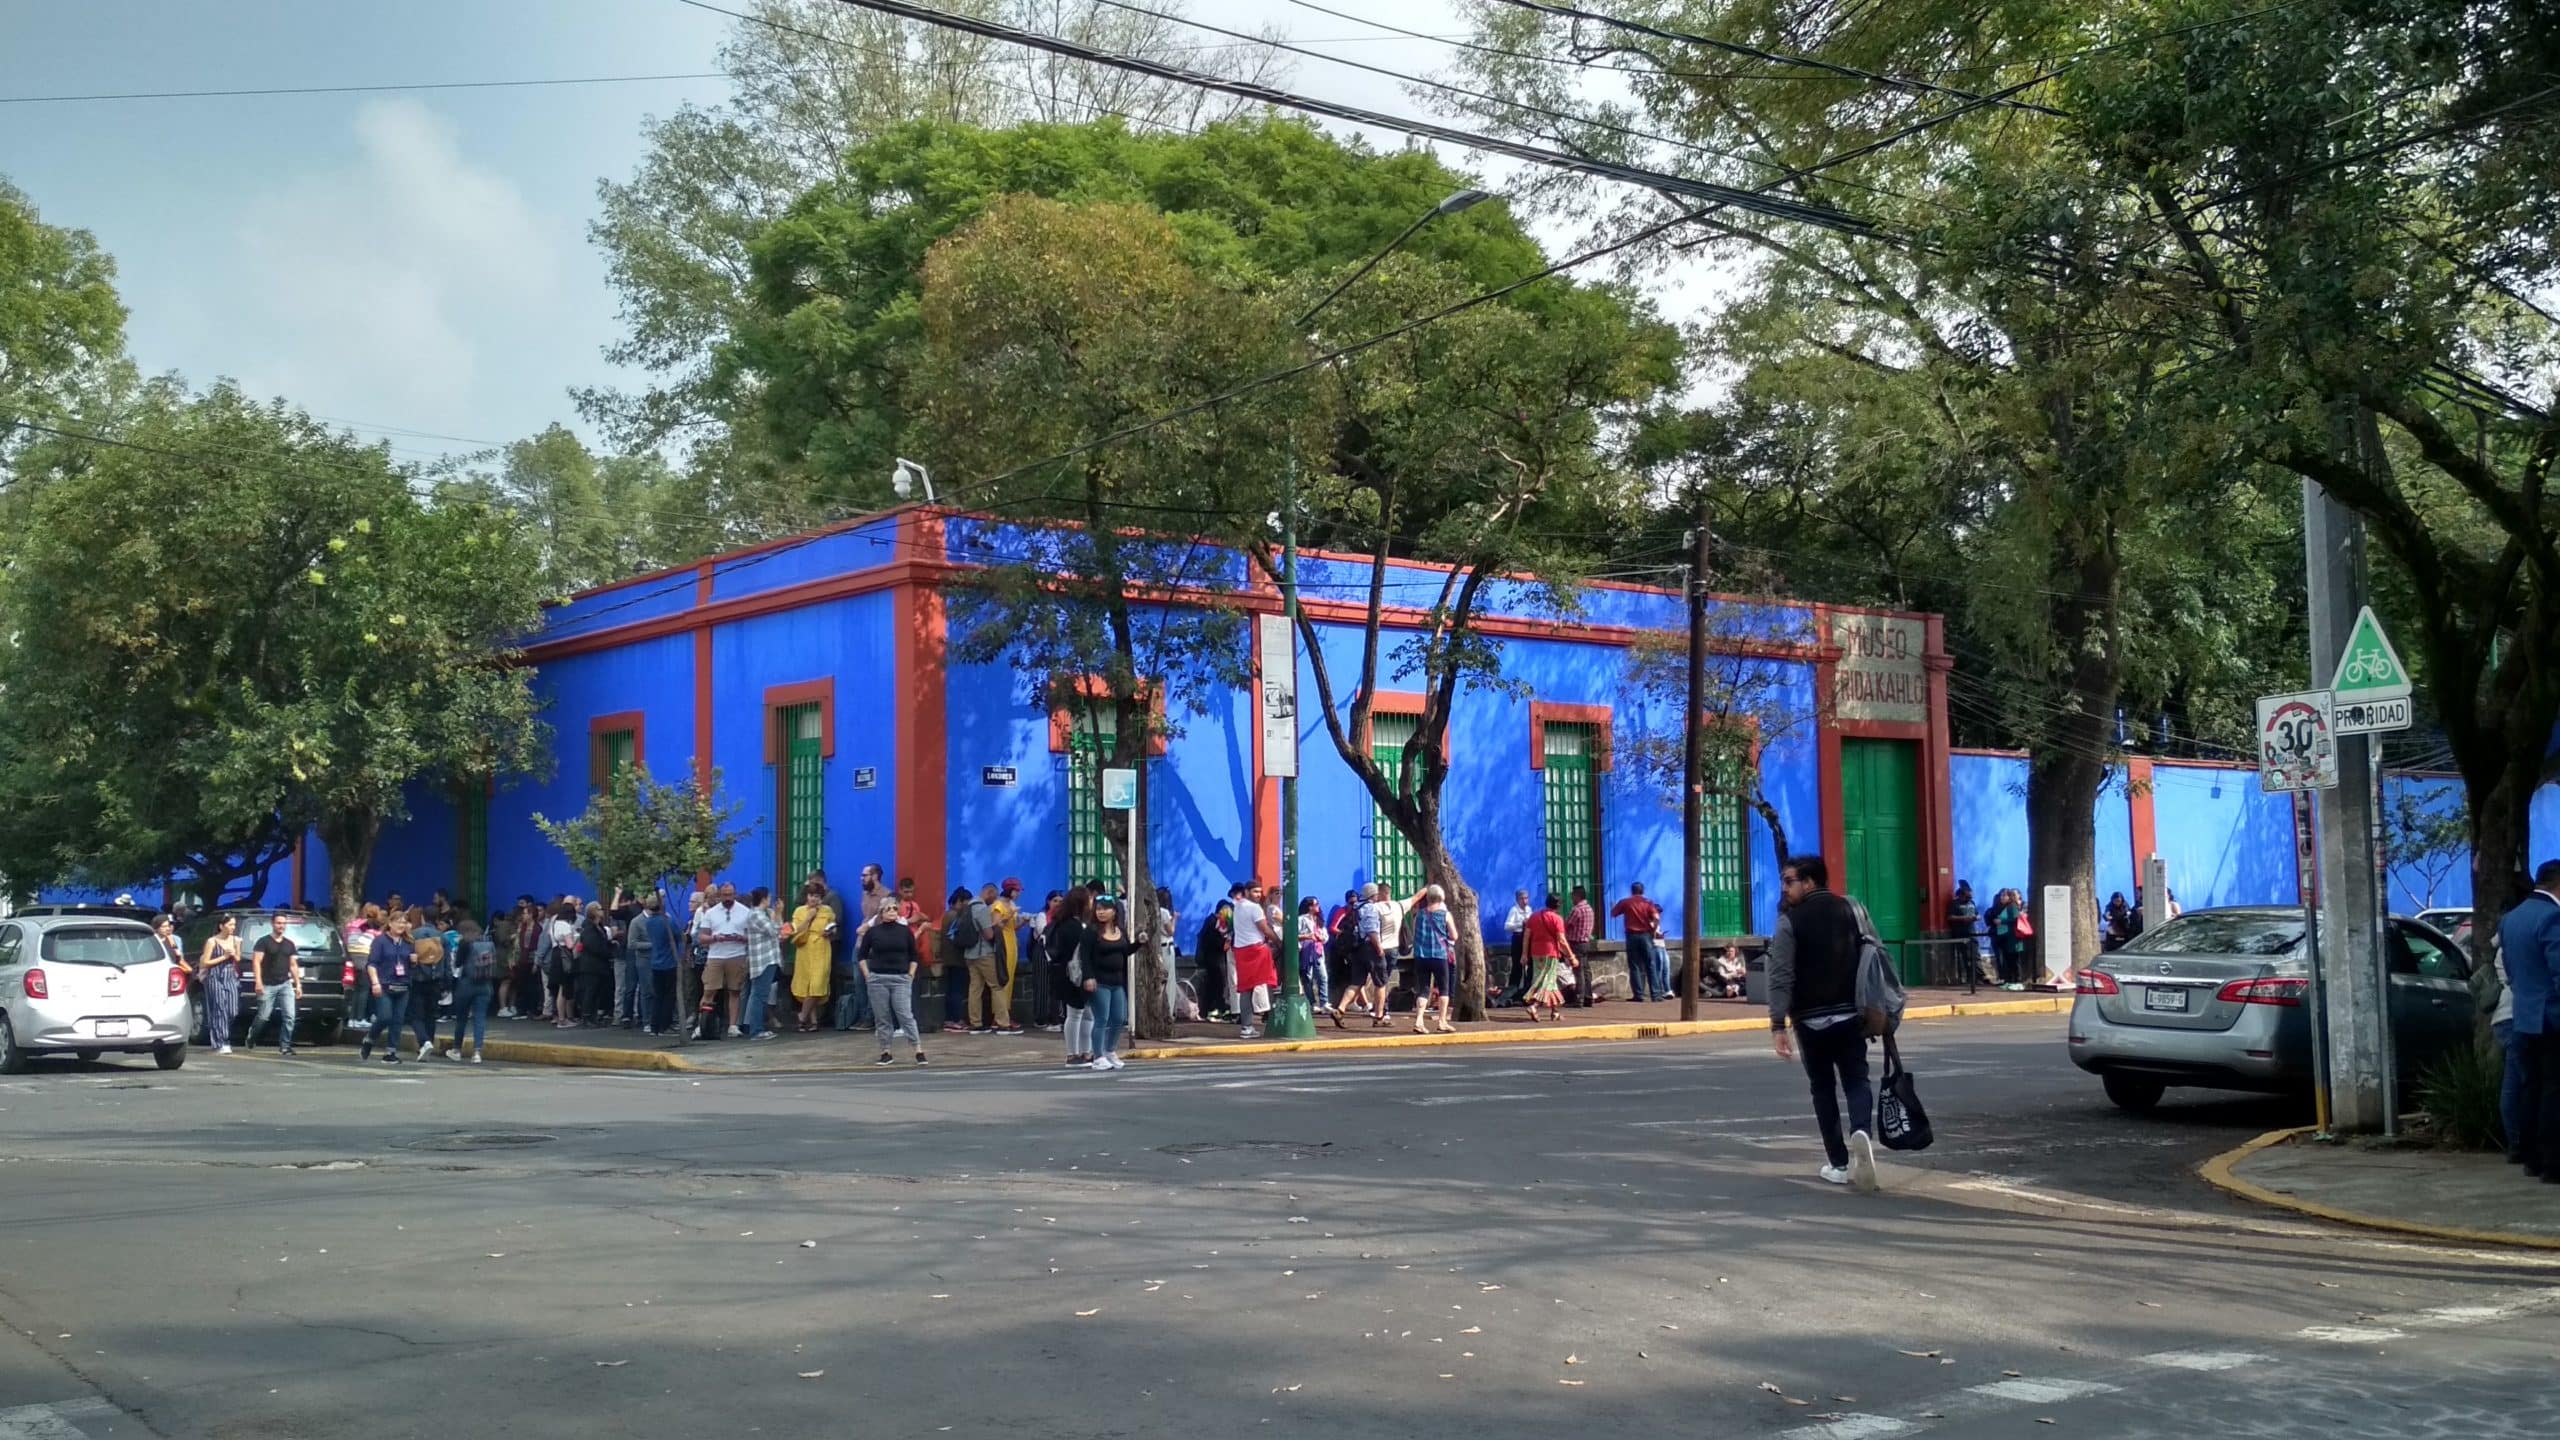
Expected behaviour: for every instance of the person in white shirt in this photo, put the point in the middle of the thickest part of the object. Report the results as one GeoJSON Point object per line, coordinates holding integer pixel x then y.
{"type": "Point", "coordinates": [1381, 929]}
{"type": "Point", "coordinates": [1257, 975]}
{"type": "Point", "coordinates": [720, 928]}
{"type": "Point", "coordinates": [1516, 925]}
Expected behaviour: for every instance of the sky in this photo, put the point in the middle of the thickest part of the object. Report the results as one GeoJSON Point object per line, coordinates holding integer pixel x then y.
{"type": "Point", "coordinates": [413, 264]}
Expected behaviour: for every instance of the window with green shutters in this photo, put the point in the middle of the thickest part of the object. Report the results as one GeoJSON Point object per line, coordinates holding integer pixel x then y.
{"type": "Point", "coordinates": [1392, 860]}
{"type": "Point", "coordinates": [1724, 855]}
{"type": "Point", "coordinates": [1571, 783]}
{"type": "Point", "coordinates": [800, 835]}
{"type": "Point", "coordinates": [1092, 743]}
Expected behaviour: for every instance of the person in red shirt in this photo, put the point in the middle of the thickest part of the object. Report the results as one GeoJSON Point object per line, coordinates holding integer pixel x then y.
{"type": "Point", "coordinates": [1548, 951]}
{"type": "Point", "coordinates": [1648, 968]}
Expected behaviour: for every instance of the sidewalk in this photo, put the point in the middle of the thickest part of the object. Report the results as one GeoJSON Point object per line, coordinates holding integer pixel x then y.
{"type": "Point", "coordinates": [532, 1042]}
{"type": "Point", "coordinates": [2463, 1196]}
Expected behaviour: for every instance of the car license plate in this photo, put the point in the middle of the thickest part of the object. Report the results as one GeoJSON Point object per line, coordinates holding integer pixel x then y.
{"type": "Point", "coordinates": [112, 1029]}
{"type": "Point", "coordinates": [2165, 997]}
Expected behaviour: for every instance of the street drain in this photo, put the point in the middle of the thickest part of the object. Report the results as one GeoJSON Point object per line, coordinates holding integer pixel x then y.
{"type": "Point", "coordinates": [483, 1140]}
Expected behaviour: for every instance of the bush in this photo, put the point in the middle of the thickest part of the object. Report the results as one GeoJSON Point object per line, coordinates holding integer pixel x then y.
{"type": "Point", "coordinates": [2460, 1094]}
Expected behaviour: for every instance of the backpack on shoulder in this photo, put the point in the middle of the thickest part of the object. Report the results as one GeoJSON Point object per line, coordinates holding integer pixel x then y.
{"type": "Point", "coordinates": [1881, 998]}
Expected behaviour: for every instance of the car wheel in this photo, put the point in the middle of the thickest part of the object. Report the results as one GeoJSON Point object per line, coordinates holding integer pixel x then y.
{"type": "Point", "coordinates": [169, 1057]}
{"type": "Point", "coordinates": [13, 1061]}
{"type": "Point", "coordinates": [88, 1055]}
{"type": "Point", "coordinates": [2137, 1093]}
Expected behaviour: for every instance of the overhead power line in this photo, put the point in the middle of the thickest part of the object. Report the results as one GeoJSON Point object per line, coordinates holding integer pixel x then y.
{"type": "Point", "coordinates": [1757, 201]}
{"type": "Point", "coordinates": [1733, 47]}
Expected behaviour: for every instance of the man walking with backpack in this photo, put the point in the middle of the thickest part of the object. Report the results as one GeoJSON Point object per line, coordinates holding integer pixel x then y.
{"type": "Point", "coordinates": [1813, 1007]}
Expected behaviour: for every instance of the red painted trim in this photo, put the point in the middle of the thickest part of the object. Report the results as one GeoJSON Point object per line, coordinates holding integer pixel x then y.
{"type": "Point", "coordinates": [2146, 827]}
{"type": "Point", "coordinates": [919, 647]}
{"type": "Point", "coordinates": [1266, 788]}
{"type": "Point", "coordinates": [634, 721]}
{"type": "Point", "coordinates": [1345, 557]}
{"type": "Point", "coordinates": [1991, 753]}
{"type": "Point", "coordinates": [711, 563]}
{"type": "Point", "coordinates": [1062, 721]}
{"type": "Point", "coordinates": [778, 698]}
{"type": "Point", "coordinates": [916, 571]}
{"type": "Point", "coordinates": [1395, 702]}
{"type": "Point", "coordinates": [2208, 765]}
{"type": "Point", "coordinates": [722, 612]}
{"type": "Point", "coordinates": [1542, 713]}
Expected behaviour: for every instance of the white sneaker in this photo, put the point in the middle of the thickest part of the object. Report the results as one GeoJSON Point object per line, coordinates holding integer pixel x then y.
{"type": "Point", "coordinates": [477, 1057]}
{"type": "Point", "coordinates": [1862, 1163]}
{"type": "Point", "coordinates": [1834, 1174]}
{"type": "Point", "coordinates": [454, 1054]}
{"type": "Point", "coordinates": [221, 1049]}
{"type": "Point", "coordinates": [1119, 1064]}
{"type": "Point", "coordinates": [1098, 1062]}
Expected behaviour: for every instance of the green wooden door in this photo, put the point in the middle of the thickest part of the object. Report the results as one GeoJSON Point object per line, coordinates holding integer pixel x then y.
{"type": "Point", "coordinates": [1091, 857]}
{"type": "Point", "coordinates": [1880, 800]}
{"type": "Point", "coordinates": [1393, 862]}
{"type": "Point", "coordinates": [473, 809]}
{"type": "Point", "coordinates": [1573, 810]}
{"type": "Point", "coordinates": [1724, 857]}
{"type": "Point", "coordinates": [802, 833]}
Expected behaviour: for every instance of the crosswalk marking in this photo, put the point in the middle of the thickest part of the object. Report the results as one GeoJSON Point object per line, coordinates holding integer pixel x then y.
{"type": "Point", "coordinates": [2041, 1392]}
{"type": "Point", "coordinates": [2200, 1360]}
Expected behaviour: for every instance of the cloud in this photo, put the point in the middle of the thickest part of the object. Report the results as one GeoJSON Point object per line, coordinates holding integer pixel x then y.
{"type": "Point", "coordinates": [395, 288]}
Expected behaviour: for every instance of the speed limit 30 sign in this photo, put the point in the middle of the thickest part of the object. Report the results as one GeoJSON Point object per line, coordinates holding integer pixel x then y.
{"type": "Point", "coordinates": [2297, 741]}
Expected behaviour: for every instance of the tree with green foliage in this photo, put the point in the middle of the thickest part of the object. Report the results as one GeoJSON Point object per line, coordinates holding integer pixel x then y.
{"type": "Point", "coordinates": [1476, 444]}
{"type": "Point", "coordinates": [1963, 362]}
{"type": "Point", "coordinates": [813, 81]}
{"type": "Point", "coordinates": [598, 518]}
{"type": "Point", "coordinates": [637, 835]}
{"type": "Point", "coordinates": [1047, 329]}
{"type": "Point", "coordinates": [250, 624]}
{"type": "Point", "coordinates": [61, 323]}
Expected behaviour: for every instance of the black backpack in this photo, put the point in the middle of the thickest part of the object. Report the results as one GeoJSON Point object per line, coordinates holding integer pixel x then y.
{"type": "Point", "coordinates": [963, 929]}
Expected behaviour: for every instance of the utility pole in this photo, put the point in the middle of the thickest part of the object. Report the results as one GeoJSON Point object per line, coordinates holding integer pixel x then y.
{"type": "Point", "coordinates": [1693, 767]}
{"type": "Point", "coordinates": [2350, 985]}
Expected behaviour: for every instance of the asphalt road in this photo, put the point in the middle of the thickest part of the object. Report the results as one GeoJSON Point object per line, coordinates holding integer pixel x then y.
{"type": "Point", "coordinates": [1603, 1239]}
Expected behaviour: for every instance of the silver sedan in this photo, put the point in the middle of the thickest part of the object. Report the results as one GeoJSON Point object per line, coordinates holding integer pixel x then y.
{"type": "Point", "coordinates": [2218, 999]}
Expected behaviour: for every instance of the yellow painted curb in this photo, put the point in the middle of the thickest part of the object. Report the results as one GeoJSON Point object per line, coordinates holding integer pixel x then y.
{"type": "Point", "coordinates": [588, 1057]}
{"type": "Point", "coordinates": [1521, 1035]}
{"type": "Point", "coordinates": [2217, 1172]}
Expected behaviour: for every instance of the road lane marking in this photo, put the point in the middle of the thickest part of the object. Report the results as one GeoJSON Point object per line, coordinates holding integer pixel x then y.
{"type": "Point", "coordinates": [1852, 1427]}
{"type": "Point", "coordinates": [2206, 1361]}
{"type": "Point", "coordinates": [2041, 1392]}
{"type": "Point", "coordinates": [2376, 1329]}
{"type": "Point", "coordinates": [2350, 1334]}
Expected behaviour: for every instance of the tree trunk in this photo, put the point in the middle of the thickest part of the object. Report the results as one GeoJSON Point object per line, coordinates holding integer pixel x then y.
{"type": "Point", "coordinates": [2501, 830]}
{"type": "Point", "coordinates": [2062, 801]}
{"type": "Point", "coordinates": [350, 839]}
{"type": "Point", "coordinates": [1466, 921]}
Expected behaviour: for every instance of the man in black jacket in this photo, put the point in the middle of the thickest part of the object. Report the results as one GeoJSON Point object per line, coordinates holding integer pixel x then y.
{"type": "Point", "coordinates": [1813, 987]}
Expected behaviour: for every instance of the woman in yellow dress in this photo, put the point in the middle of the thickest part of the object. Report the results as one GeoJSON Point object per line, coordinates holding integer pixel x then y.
{"type": "Point", "coordinates": [812, 933]}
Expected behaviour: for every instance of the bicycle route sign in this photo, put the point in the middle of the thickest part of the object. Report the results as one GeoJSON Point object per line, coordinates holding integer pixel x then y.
{"type": "Point", "coordinates": [2297, 741]}
{"type": "Point", "coordinates": [2371, 685]}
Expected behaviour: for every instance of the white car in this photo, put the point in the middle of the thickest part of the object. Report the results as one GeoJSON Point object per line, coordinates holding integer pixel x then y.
{"type": "Point", "coordinates": [88, 985]}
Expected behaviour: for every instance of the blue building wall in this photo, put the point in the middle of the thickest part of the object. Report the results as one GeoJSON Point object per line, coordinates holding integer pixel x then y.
{"type": "Point", "coordinates": [850, 639]}
{"type": "Point", "coordinates": [2432, 882]}
{"type": "Point", "coordinates": [2227, 841]}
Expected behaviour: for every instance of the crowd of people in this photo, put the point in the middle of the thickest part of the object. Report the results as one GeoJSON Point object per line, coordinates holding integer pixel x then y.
{"type": "Point", "coordinates": [746, 967]}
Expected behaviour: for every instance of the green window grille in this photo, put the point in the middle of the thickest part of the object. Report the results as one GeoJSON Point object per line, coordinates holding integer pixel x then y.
{"type": "Point", "coordinates": [1571, 773]}
{"type": "Point", "coordinates": [801, 835]}
{"type": "Point", "coordinates": [1393, 861]}
{"type": "Point", "coordinates": [616, 751]}
{"type": "Point", "coordinates": [1724, 855]}
{"type": "Point", "coordinates": [474, 808]}
{"type": "Point", "coordinates": [1092, 743]}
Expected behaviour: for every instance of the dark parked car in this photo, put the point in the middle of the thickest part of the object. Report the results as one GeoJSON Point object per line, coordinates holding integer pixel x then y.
{"type": "Point", "coordinates": [2218, 999]}
{"type": "Point", "coordinates": [320, 951]}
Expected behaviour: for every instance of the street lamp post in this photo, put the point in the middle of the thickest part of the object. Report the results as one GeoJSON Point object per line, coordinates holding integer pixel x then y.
{"type": "Point", "coordinates": [1294, 1018]}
